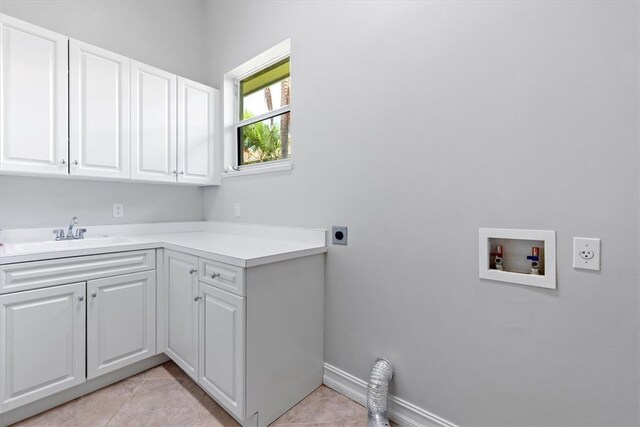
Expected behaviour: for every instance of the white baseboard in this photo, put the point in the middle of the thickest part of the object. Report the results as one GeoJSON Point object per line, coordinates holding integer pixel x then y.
{"type": "Point", "coordinates": [400, 411]}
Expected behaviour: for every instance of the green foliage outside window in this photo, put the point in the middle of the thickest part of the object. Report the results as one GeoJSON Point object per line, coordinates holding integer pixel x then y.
{"type": "Point", "coordinates": [260, 141]}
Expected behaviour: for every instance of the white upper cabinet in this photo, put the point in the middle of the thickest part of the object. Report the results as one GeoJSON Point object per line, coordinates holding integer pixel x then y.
{"type": "Point", "coordinates": [153, 123]}
{"type": "Point", "coordinates": [99, 112]}
{"type": "Point", "coordinates": [33, 99]}
{"type": "Point", "coordinates": [70, 108]}
{"type": "Point", "coordinates": [196, 132]}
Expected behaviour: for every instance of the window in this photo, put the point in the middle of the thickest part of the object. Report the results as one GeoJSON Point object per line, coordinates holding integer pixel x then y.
{"type": "Point", "coordinates": [264, 115]}
{"type": "Point", "coordinates": [258, 117]}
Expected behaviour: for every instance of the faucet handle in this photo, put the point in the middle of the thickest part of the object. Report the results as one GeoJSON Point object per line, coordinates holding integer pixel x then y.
{"type": "Point", "coordinates": [59, 232]}
{"type": "Point", "coordinates": [80, 233]}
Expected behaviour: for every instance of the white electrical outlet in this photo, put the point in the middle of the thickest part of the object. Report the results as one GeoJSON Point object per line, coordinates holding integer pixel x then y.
{"type": "Point", "coordinates": [586, 253]}
{"type": "Point", "coordinates": [118, 210]}
{"type": "Point", "coordinates": [236, 210]}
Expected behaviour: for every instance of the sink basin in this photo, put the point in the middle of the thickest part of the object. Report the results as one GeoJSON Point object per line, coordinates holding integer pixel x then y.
{"type": "Point", "coordinates": [63, 245]}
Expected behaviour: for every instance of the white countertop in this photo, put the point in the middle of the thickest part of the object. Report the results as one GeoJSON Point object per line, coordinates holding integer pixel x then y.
{"type": "Point", "coordinates": [242, 245]}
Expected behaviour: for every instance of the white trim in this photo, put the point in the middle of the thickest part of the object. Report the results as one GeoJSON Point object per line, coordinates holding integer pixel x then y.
{"type": "Point", "coordinates": [265, 60]}
{"type": "Point", "coordinates": [271, 114]}
{"type": "Point", "coordinates": [274, 166]}
{"type": "Point", "coordinates": [400, 411]}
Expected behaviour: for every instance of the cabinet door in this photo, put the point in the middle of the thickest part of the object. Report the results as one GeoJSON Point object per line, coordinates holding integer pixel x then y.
{"type": "Point", "coordinates": [196, 132]}
{"type": "Point", "coordinates": [181, 281]}
{"type": "Point", "coordinates": [99, 112]}
{"type": "Point", "coordinates": [42, 343]}
{"type": "Point", "coordinates": [33, 99]}
{"type": "Point", "coordinates": [153, 123]}
{"type": "Point", "coordinates": [121, 321]}
{"type": "Point", "coordinates": [222, 346]}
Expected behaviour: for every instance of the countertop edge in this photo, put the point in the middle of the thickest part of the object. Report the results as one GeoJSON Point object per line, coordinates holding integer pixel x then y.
{"type": "Point", "coordinates": [134, 246]}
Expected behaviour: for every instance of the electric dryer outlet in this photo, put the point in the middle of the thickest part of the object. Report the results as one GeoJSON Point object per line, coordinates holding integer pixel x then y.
{"type": "Point", "coordinates": [586, 253]}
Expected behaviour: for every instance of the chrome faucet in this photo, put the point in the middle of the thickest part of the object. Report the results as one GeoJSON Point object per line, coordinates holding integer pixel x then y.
{"type": "Point", "coordinates": [74, 221]}
{"type": "Point", "coordinates": [59, 232]}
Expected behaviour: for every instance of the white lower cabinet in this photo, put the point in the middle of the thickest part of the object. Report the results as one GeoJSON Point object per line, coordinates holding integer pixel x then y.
{"type": "Point", "coordinates": [251, 337]}
{"type": "Point", "coordinates": [42, 342]}
{"type": "Point", "coordinates": [60, 335]}
{"type": "Point", "coordinates": [222, 347]}
{"type": "Point", "coordinates": [121, 321]}
{"type": "Point", "coordinates": [181, 284]}
{"type": "Point", "coordinates": [206, 331]}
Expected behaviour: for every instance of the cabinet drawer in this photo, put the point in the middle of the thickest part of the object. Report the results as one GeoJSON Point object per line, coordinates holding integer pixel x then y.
{"type": "Point", "coordinates": [40, 274]}
{"type": "Point", "coordinates": [223, 276]}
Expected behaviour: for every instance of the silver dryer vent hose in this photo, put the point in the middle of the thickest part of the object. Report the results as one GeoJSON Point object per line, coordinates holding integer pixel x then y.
{"type": "Point", "coordinates": [381, 374]}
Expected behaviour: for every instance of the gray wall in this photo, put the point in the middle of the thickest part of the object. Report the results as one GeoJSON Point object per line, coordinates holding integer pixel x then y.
{"type": "Point", "coordinates": [38, 202]}
{"type": "Point", "coordinates": [165, 34]}
{"type": "Point", "coordinates": [414, 124]}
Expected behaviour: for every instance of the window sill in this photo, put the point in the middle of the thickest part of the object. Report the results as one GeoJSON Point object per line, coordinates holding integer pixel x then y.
{"type": "Point", "coordinates": [258, 169]}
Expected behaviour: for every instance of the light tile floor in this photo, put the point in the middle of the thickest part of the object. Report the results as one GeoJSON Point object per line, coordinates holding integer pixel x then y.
{"type": "Point", "coordinates": [166, 396]}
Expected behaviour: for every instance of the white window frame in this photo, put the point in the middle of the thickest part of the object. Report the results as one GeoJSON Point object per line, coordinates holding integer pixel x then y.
{"type": "Point", "coordinates": [231, 116]}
